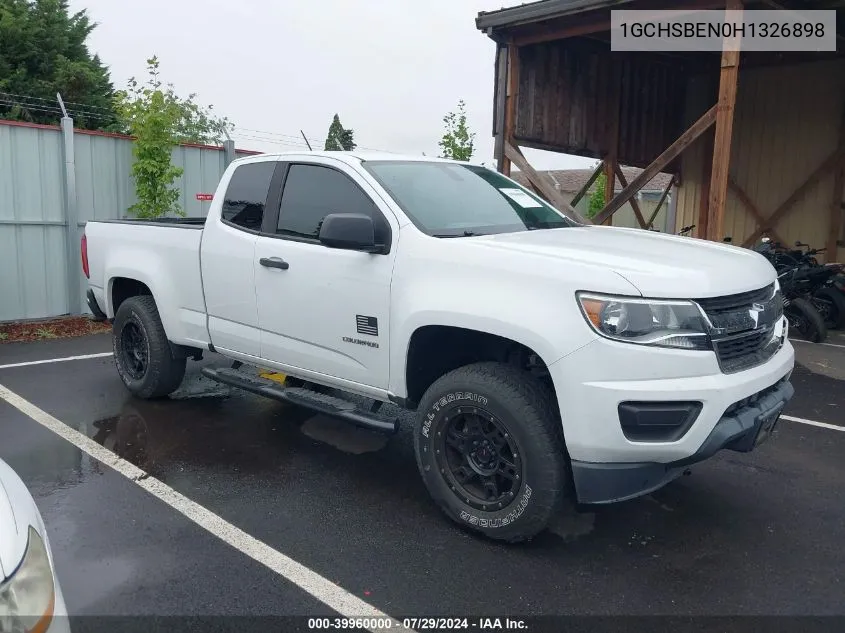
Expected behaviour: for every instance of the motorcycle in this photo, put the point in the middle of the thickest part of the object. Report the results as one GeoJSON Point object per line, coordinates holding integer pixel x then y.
{"type": "Point", "coordinates": [822, 284]}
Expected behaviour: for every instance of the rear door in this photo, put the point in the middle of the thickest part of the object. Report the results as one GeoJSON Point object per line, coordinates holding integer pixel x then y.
{"type": "Point", "coordinates": [327, 310]}
{"type": "Point", "coordinates": [228, 257]}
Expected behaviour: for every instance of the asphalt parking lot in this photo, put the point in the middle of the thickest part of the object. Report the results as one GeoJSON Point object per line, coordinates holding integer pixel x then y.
{"type": "Point", "coordinates": [744, 534]}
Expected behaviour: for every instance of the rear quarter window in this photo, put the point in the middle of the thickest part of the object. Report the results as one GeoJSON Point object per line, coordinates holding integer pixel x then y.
{"type": "Point", "coordinates": [246, 196]}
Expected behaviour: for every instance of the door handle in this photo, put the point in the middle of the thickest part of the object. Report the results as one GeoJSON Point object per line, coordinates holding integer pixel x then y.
{"type": "Point", "coordinates": [274, 262]}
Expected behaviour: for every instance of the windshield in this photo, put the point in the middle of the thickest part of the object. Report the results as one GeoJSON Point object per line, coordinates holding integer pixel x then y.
{"type": "Point", "coordinates": [457, 200]}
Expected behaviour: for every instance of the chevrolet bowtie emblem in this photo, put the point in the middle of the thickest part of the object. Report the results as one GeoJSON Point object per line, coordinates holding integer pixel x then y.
{"type": "Point", "coordinates": [754, 313]}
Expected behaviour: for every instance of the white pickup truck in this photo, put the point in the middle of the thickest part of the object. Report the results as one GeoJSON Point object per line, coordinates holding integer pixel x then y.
{"type": "Point", "coordinates": [548, 362]}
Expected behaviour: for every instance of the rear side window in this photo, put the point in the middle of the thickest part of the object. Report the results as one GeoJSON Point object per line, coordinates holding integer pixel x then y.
{"type": "Point", "coordinates": [312, 192]}
{"type": "Point", "coordinates": [246, 196]}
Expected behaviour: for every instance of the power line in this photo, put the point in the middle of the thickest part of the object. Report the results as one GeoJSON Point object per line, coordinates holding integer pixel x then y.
{"type": "Point", "coordinates": [48, 109]}
{"type": "Point", "coordinates": [297, 137]}
{"type": "Point", "coordinates": [82, 107]}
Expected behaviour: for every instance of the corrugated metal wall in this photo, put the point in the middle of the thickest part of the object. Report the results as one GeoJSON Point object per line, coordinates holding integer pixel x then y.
{"type": "Point", "coordinates": [786, 124]}
{"type": "Point", "coordinates": [33, 252]}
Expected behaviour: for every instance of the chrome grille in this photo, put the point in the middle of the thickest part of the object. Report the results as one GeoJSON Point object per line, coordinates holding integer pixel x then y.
{"type": "Point", "coordinates": [742, 327]}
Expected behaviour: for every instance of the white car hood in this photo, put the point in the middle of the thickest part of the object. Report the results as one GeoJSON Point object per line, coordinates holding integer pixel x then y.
{"type": "Point", "coordinates": [659, 265]}
{"type": "Point", "coordinates": [17, 513]}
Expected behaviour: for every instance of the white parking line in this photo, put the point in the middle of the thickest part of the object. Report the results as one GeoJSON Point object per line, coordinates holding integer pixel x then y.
{"type": "Point", "coordinates": [823, 425]}
{"type": "Point", "coordinates": [798, 340]}
{"type": "Point", "coordinates": [324, 590]}
{"type": "Point", "coordinates": [56, 360]}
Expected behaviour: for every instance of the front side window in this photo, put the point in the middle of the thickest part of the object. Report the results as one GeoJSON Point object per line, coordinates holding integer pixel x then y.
{"type": "Point", "coordinates": [246, 195]}
{"type": "Point", "coordinates": [312, 192]}
{"type": "Point", "coordinates": [455, 200]}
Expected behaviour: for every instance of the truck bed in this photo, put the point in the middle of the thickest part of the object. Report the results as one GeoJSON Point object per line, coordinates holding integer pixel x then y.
{"type": "Point", "coordinates": [164, 254]}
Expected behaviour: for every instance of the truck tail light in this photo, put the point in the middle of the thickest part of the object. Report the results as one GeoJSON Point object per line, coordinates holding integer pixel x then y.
{"type": "Point", "coordinates": [85, 257]}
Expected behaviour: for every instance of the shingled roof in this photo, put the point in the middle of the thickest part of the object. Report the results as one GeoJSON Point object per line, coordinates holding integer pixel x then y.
{"type": "Point", "coordinates": [571, 180]}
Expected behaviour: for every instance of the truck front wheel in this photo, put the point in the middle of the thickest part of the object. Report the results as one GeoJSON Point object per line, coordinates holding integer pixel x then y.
{"type": "Point", "coordinates": [490, 452]}
{"type": "Point", "coordinates": [142, 352]}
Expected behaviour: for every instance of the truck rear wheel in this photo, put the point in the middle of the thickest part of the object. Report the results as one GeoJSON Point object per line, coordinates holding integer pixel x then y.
{"type": "Point", "coordinates": [142, 352]}
{"type": "Point", "coordinates": [490, 451]}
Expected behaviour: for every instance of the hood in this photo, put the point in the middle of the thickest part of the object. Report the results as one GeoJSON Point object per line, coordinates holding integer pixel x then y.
{"type": "Point", "coordinates": [16, 510]}
{"type": "Point", "coordinates": [659, 265]}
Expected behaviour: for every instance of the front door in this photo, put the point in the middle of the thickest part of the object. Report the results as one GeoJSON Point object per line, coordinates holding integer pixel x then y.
{"type": "Point", "coordinates": [323, 309]}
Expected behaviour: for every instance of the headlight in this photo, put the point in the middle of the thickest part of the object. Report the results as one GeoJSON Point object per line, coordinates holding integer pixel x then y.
{"type": "Point", "coordinates": [676, 324]}
{"type": "Point", "coordinates": [27, 598]}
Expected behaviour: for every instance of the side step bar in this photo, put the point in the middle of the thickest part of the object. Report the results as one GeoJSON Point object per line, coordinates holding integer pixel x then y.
{"type": "Point", "coordinates": [319, 402]}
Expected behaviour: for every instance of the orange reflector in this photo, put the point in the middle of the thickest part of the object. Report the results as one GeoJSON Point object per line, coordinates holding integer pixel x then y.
{"type": "Point", "coordinates": [593, 308]}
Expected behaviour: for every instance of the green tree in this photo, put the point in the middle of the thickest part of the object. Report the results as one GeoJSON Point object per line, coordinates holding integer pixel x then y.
{"type": "Point", "coordinates": [152, 117]}
{"type": "Point", "coordinates": [42, 52]}
{"type": "Point", "coordinates": [457, 141]}
{"type": "Point", "coordinates": [195, 123]}
{"type": "Point", "coordinates": [597, 196]}
{"type": "Point", "coordinates": [339, 138]}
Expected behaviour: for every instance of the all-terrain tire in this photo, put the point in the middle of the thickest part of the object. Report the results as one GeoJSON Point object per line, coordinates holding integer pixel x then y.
{"type": "Point", "coordinates": [501, 397]}
{"type": "Point", "coordinates": [808, 321]}
{"type": "Point", "coordinates": [161, 373]}
{"type": "Point", "coordinates": [834, 314]}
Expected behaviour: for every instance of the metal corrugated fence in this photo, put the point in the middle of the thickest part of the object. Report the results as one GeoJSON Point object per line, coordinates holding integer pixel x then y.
{"type": "Point", "coordinates": [34, 201]}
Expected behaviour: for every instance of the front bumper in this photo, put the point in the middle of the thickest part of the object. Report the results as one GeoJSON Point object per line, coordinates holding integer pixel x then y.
{"type": "Point", "coordinates": [592, 382]}
{"type": "Point", "coordinates": [741, 430]}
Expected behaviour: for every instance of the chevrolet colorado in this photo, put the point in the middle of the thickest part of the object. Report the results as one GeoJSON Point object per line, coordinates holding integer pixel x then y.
{"type": "Point", "coordinates": [547, 361]}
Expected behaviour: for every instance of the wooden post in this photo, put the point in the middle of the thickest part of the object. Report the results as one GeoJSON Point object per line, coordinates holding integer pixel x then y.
{"type": "Point", "coordinates": [609, 184]}
{"type": "Point", "coordinates": [611, 161]}
{"type": "Point", "coordinates": [704, 193]}
{"type": "Point", "coordinates": [837, 208]}
{"type": "Point", "coordinates": [511, 105]}
{"type": "Point", "coordinates": [724, 129]}
{"type": "Point", "coordinates": [657, 165]}
{"type": "Point", "coordinates": [500, 106]}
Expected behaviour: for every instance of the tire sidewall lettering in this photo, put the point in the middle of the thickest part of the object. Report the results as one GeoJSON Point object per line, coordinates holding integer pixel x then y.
{"type": "Point", "coordinates": [445, 400]}
{"type": "Point", "coordinates": [475, 518]}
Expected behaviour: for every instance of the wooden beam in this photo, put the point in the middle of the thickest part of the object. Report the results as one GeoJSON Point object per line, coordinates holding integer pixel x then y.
{"type": "Point", "coordinates": [586, 187]}
{"type": "Point", "coordinates": [660, 202]}
{"type": "Point", "coordinates": [830, 163]}
{"type": "Point", "coordinates": [704, 192]}
{"type": "Point", "coordinates": [542, 34]}
{"type": "Point", "coordinates": [749, 205]}
{"type": "Point", "coordinates": [609, 185]}
{"type": "Point", "coordinates": [542, 184]}
{"type": "Point", "coordinates": [724, 130]}
{"type": "Point", "coordinates": [611, 140]}
{"type": "Point", "coordinates": [836, 205]}
{"type": "Point", "coordinates": [657, 165]}
{"type": "Point", "coordinates": [500, 106]}
{"type": "Point", "coordinates": [510, 108]}
{"type": "Point", "coordinates": [634, 204]}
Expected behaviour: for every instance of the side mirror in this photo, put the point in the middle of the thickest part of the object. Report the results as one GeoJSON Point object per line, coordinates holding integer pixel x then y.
{"type": "Point", "coordinates": [349, 231]}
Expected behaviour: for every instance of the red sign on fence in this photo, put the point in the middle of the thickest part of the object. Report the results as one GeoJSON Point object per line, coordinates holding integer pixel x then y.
{"type": "Point", "coordinates": [205, 196]}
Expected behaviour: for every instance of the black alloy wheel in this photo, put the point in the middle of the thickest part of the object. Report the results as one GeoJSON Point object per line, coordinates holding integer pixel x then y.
{"type": "Point", "coordinates": [480, 459]}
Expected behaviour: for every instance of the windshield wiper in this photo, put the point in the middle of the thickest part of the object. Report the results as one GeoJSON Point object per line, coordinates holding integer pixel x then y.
{"type": "Point", "coordinates": [464, 234]}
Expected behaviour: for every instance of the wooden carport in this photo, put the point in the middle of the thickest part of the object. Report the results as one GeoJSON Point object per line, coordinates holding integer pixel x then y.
{"type": "Point", "coordinates": [755, 141]}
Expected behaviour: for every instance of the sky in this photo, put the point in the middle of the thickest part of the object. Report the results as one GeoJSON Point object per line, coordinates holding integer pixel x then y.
{"type": "Point", "coordinates": [391, 69]}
